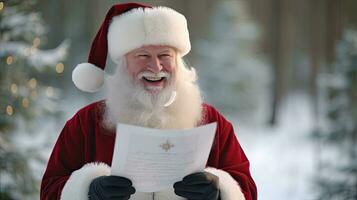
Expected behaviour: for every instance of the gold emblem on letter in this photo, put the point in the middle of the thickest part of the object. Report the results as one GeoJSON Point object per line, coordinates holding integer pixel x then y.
{"type": "Point", "coordinates": [166, 145]}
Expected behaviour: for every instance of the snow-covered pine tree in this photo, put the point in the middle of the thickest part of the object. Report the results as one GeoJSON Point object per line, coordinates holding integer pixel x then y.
{"type": "Point", "coordinates": [234, 78]}
{"type": "Point", "coordinates": [27, 94]}
{"type": "Point", "coordinates": [337, 129]}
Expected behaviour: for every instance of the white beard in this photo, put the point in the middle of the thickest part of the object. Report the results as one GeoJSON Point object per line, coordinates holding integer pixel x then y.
{"type": "Point", "coordinates": [130, 103]}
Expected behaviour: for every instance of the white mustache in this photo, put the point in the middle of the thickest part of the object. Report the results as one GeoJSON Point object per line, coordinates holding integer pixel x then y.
{"type": "Point", "coordinates": [152, 74]}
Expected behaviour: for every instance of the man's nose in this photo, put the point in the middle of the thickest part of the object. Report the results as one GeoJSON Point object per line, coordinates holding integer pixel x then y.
{"type": "Point", "coordinates": [155, 65]}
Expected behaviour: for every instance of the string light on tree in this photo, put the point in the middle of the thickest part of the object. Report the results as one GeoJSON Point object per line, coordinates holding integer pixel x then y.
{"type": "Point", "coordinates": [25, 102]}
{"type": "Point", "coordinates": [33, 83]}
{"type": "Point", "coordinates": [9, 110]}
{"type": "Point", "coordinates": [49, 91]}
{"type": "Point", "coordinates": [1, 6]}
{"type": "Point", "coordinates": [13, 88]}
{"type": "Point", "coordinates": [59, 68]}
{"type": "Point", "coordinates": [9, 60]}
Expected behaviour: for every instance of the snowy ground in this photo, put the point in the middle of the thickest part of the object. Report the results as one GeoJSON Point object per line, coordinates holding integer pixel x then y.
{"type": "Point", "coordinates": [282, 157]}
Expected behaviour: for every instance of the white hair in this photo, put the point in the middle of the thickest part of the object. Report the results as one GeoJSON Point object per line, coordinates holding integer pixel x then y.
{"type": "Point", "coordinates": [128, 102]}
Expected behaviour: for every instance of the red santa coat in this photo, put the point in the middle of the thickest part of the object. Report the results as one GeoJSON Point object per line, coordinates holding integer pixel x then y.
{"type": "Point", "coordinates": [84, 150]}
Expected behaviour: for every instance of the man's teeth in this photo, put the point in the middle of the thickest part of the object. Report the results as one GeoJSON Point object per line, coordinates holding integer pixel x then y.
{"type": "Point", "coordinates": [150, 78]}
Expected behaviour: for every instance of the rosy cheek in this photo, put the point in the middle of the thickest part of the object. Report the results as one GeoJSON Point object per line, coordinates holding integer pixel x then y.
{"type": "Point", "coordinates": [170, 69]}
{"type": "Point", "coordinates": [133, 68]}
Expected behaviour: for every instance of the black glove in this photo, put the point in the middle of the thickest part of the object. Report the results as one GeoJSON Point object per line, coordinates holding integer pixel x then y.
{"type": "Point", "coordinates": [198, 186]}
{"type": "Point", "coordinates": [110, 187]}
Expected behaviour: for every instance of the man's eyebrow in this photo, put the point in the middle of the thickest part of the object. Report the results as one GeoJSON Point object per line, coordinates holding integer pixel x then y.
{"type": "Point", "coordinates": [141, 51]}
{"type": "Point", "coordinates": [166, 51]}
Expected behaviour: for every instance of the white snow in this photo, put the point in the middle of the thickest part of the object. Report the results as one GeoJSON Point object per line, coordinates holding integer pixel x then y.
{"type": "Point", "coordinates": [282, 157]}
{"type": "Point", "coordinates": [36, 57]}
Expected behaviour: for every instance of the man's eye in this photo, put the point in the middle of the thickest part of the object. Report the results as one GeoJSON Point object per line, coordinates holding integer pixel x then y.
{"type": "Point", "coordinates": [143, 56]}
{"type": "Point", "coordinates": [165, 55]}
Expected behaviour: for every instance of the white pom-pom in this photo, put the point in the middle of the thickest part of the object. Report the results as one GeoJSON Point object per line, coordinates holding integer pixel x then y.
{"type": "Point", "coordinates": [87, 77]}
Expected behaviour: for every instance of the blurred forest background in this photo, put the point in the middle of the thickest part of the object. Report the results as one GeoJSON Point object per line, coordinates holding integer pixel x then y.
{"type": "Point", "coordinates": [283, 71]}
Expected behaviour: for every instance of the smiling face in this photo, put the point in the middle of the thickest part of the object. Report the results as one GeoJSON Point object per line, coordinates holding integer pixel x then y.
{"type": "Point", "coordinates": [152, 66]}
{"type": "Point", "coordinates": [142, 85]}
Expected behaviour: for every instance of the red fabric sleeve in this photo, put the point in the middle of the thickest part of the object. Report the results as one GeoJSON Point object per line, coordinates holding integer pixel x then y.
{"type": "Point", "coordinates": [228, 155]}
{"type": "Point", "coordinates": [67, 156]}
{"type": "Point", "coordinates": [234, 161]}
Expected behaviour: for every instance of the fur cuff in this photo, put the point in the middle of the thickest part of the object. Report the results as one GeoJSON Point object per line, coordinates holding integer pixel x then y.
{"type": "Point", "coordinates": [77, 185]}
{"type": "Point", "coordinates": [229, 188]}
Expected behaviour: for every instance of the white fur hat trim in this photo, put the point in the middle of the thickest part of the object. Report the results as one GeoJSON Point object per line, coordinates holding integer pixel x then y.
{"type": "Point", "coordinates": [150, 26]}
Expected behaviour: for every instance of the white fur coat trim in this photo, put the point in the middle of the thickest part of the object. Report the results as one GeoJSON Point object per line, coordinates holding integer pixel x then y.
{"type": "Point", "coordinates": [229, 188]}
{"type": "Point", "coordinates": [77, 186]}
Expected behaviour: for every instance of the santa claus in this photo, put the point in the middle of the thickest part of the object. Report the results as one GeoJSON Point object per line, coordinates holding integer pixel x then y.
{"type": "Point", "coordinates": [152, 87]}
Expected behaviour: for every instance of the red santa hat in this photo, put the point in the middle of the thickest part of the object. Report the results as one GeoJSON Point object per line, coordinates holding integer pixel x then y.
{"type": "Point", "coordinates": [127, 27]}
